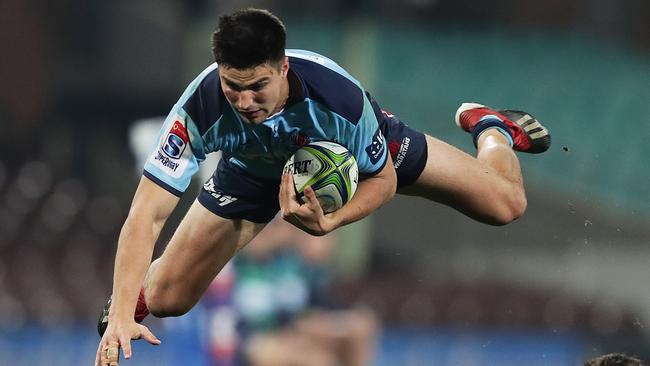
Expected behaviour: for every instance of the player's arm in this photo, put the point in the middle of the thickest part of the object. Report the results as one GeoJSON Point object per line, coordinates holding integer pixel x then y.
{"type": "Point", "coordinates": [167, 173]}
{"type": "Point", "coordinates": [371, 193]}
{"type": "Point", "coordinates": [366, 142]}
{"type": "Point", "coordinates": [149, 211]}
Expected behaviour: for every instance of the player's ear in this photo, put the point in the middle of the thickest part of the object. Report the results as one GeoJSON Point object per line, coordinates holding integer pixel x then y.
{"type": "Point", "coordinates": [284, 69]}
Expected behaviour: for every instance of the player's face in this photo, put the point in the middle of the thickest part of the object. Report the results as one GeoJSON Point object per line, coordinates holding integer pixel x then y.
{"type": "Point", "coordinates": [258, 92]}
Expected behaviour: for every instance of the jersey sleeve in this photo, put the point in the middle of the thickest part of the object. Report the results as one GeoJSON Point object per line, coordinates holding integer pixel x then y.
{"type": "Point", "coordinates": [177, 153]}
{"type": "Point", "coordinates": [367, 143]}
{"type": "Point", "coordinates": [180, 146]}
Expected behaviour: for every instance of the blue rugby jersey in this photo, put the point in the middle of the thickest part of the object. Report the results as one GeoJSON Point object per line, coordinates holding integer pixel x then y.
{"type": "Point", "coordinates": [333, 106]}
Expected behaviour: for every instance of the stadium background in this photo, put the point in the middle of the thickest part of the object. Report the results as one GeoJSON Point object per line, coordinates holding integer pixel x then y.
{"type": "Point", "coordinates": [567, 281]}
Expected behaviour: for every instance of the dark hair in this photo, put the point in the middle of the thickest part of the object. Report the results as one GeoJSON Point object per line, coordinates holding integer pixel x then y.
{"type": "Point", "coordinates": [614, 359]}
{"type": "Point", "coordinates": [248, 38]}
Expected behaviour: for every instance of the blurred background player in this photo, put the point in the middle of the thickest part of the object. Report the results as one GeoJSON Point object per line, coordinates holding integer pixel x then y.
{"type": "Point", "coordinates": [284, 309]}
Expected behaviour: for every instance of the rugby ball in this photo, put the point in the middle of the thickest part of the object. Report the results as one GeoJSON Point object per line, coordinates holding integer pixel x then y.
{"type": "Point", "coordinates": [329, 168]}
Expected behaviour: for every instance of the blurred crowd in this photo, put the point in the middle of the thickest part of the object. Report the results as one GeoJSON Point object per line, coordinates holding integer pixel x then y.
{"type": "Point", "coordinates": [76, 58]}
{"type": "Point", "coordinates": [56, 247]}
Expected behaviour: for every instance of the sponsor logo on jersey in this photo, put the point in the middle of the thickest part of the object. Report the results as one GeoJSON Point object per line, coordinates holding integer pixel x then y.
{"type": "Point", "coordinates": [176, 141]}
{"type": "Point", "coordinates": [376, 148]}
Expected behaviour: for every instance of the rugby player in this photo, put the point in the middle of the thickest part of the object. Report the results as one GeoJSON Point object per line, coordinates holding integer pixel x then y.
{"type": "Point", "coordinates": [257, 104]}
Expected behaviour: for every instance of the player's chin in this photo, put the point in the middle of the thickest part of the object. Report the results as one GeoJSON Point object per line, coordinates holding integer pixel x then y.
{"type": "Point", "coordinates": [254, 117]}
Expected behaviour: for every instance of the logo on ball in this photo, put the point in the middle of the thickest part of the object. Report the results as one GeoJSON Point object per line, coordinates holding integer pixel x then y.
{"type": "Point", "coordinates": [298, 167]}
{"type": "Point", "coordinates": [329, 169]}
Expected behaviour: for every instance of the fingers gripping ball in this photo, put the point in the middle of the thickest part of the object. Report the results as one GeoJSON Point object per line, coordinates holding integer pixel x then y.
{"type": "Point", "coordinates": [111, 354]}
{"type": "Point", "coordinates": [329, 168]}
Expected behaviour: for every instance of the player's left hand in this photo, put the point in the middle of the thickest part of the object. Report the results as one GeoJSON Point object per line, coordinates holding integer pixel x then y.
{"type": "Point", "coordinates": [110, 354]}
{"type": "Point", "coordinates": [307, 216]}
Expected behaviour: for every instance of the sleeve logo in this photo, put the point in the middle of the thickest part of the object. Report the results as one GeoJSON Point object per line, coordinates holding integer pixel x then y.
{"type": "Point", "coordinates": [376, 148]}
{"type": "Point", "coordinates": [176, 141]}
{"type": "Point", "coordinates": [172, 157]}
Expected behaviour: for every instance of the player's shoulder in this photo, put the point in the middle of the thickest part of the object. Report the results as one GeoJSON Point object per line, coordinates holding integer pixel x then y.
{"type": "Point", "coordinates": [203, 100]}
{"type": "Point", "coordinates": [325, 82]}
{"type": "Point", "coordinates": [315, 64]}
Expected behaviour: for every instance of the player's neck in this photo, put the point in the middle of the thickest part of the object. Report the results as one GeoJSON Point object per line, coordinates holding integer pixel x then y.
{"type": "Point", "coordinates": [284, 95]}
{"type": "Point", "coordinates": [295, 92]}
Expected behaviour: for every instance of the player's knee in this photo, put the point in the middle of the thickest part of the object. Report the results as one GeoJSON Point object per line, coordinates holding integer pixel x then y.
{"type": "Point", "coordinates": [518, 205]}
{"type": "Point", "coordinates": [163, 302]}
{"type": "Point", "coordinates": [512, 208]}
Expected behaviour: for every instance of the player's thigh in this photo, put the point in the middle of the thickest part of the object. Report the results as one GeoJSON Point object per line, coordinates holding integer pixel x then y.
{"type": "Point", "coordinates": [202, 244]}
{"type": "Point", "coordinates": [230, 210]}
{"type": "Point", "coordinates": [449, 174]}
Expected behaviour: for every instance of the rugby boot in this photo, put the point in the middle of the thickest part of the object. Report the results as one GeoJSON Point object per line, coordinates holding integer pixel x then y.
{"type": "Point", "coordinates": [526, 133]}
{"type": "Point", "coordinates": [141, 312]}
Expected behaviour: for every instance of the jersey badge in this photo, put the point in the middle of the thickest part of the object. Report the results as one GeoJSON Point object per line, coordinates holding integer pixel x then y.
{"type": "Point", "coordinates": [176, 140]}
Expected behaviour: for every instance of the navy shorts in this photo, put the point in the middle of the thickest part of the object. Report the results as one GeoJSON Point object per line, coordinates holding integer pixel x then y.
{"type": "Point", "coordinates": [408, 147]}
{"type": "Point", "coordinates": [233, 193]}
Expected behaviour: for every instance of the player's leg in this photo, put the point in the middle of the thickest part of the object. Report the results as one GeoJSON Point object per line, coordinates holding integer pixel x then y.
{"type": "Point", "coordinates": [198, 250]}
{"type": "Point", "coordinates": [488, 187]}
{"type": "Point", "coordinates": [203, 243]}
{"type": "Point", "coordinates": [230, 210]}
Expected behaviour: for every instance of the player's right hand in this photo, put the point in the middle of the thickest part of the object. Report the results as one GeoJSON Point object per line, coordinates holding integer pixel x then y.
{"type": "Point", "coordinates": [308, 216]}
{"type": "Point", "coordinates": [119, 335]}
